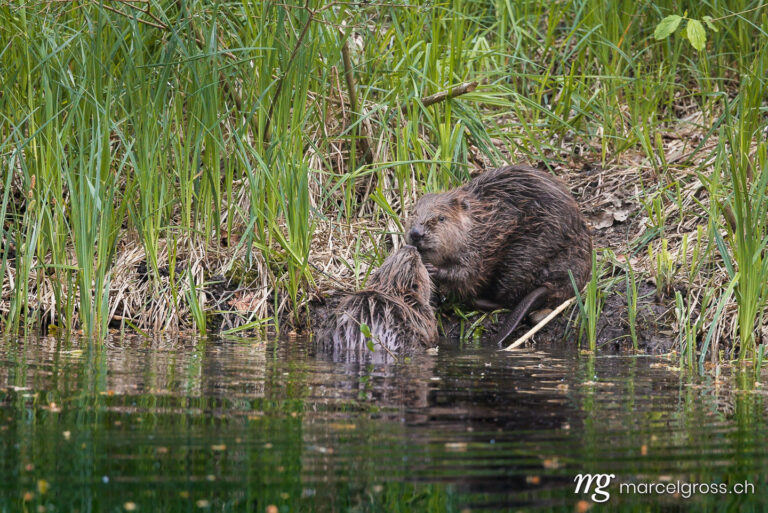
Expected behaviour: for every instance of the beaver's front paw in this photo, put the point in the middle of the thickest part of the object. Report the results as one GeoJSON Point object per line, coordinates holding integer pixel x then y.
{"type": "Point", "coordinates": [431, 269]}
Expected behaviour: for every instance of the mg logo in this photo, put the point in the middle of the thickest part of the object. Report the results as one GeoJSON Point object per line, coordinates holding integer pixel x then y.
{"type": "Point", "coordinates": [601, 481]}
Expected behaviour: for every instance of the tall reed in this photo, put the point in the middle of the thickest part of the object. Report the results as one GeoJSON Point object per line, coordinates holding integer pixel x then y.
{"type": "Point", "coordinates": [199, 139]}
{"type": "Point", "coordinates": [746, 162]}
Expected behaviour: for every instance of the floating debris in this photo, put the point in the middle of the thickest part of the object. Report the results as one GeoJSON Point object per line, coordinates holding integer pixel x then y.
{"type": "Point", "coordinates": [456, 446]}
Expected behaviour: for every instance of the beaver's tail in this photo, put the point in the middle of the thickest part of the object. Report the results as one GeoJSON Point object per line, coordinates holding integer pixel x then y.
{"type": "Point", "coordinates": [532, 300]}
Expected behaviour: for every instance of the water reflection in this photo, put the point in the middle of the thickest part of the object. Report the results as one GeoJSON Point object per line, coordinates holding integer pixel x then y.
{"type": "Point", "coordinates": [242, 424]}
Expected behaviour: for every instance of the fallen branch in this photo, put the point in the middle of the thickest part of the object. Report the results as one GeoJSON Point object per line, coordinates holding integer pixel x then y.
{"type": "Point", "coordinates": [466, 87]}
{"type": "Point", "coordinates": [520, 341]}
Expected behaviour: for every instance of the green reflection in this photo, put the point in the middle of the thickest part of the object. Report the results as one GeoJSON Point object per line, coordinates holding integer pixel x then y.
{"type": "Point", "coordinates": [241, 425]}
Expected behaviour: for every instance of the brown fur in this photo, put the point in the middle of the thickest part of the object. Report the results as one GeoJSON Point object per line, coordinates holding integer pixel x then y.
{"type": "Point", "coordinates": [503, 235]}
{"type": "Point", "coordinates": [395, 306]}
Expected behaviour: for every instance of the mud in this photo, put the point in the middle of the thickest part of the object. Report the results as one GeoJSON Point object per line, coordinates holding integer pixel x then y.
{"type": "Point", "coordinates": [613, 333]}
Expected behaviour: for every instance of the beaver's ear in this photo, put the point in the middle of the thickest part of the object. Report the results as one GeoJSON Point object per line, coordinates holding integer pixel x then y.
{"type": "Point", "coordinates": [462, 203]}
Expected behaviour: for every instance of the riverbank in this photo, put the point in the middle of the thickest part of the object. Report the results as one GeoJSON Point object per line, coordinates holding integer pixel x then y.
{"type": "Point", "coordinates": [185, 167]}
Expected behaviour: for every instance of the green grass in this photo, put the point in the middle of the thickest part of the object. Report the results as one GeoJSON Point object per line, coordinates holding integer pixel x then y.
{"type": "Point", "coordinates": [747, 166]}
{"type": "Point", "coordinates": [630, 279]}
{"type": "Point", "coordinates": [203, 139]}
{"type": "Point", "coordinates": [590, 305]}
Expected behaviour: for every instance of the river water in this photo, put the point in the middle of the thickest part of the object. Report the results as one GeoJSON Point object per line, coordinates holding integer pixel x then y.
{"type": "Point", "coordinates": [247, 425]}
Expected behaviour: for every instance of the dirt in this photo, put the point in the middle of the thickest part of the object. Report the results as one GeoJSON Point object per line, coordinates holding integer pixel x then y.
{"type": "Point", "coordinates": [613, 333]}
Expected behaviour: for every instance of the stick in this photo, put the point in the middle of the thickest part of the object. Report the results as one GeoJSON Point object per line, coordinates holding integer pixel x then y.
{"type": "Point", "coordinates": [466, 87]}
{"type": "Point", "coordinates": [161, 25]}
{"type": "Point", "coordinates": [520, 341]}
{"type": "Point", "coordinates": [350, 78]}
{"type": "Point", "coordinates": [275, 97]}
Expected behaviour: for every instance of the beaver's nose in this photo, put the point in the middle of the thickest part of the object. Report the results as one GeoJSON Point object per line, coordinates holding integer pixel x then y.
{"type": "Point", "coordinates": [415, 235]}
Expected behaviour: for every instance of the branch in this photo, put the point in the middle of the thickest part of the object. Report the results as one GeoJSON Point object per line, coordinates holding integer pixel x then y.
{"type": "Point", "coordinates": [520, 341]}
{"type": "Point", "coordinates": [466, 87]}
{"type": "Point", "coordinates": [265, 135]}
{"type": "Point", "coordinates": [350, 79]}
{"type": "Point", "coordinates": [162, 26]}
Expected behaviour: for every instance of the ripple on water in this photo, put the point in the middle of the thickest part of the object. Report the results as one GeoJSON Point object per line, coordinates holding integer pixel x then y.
{"type": "Point", "coordinates": [243, 423]}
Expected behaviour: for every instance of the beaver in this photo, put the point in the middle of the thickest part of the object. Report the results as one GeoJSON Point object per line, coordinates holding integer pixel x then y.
{"type": "Point", "coordinates": [395, 305]}
{"type": "Point", "coordinates": [505, 239]}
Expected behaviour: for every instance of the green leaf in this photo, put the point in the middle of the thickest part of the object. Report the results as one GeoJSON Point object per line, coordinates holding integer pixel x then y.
{"type": "Point", "coordinates": [366, 331]}
{"type": "Point", "coordinates": [710, 25]}
{"type": "Point", "coordinates": [696, 34]}
{"type": "Point", "coordinates": [667, 26]}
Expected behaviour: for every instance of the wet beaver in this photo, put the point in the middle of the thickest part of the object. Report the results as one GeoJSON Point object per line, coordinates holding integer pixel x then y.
{"type": "Point", "coordinates": [395, 305]}
{"type": "Point", "coordinates": [507, 238]}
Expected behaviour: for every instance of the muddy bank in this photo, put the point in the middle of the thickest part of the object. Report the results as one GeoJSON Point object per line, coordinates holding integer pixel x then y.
{"type": "Point", "coordinates": [613, 332]}
{"type": "Point", "coordinates": [653, 324]}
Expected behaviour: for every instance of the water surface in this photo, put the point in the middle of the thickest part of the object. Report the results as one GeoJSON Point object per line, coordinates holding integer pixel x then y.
{"type": "Point", "coordinates": [243, 425]}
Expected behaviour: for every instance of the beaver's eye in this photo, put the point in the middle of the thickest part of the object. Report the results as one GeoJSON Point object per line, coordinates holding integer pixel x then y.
{"type": "Point", "coordinates": [441, 218]}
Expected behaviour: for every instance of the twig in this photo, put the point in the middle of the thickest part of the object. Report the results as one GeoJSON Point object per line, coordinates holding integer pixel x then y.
{"type": "Point", "coordinates": [146, 10]}
{"type": "Point", "coordinates": [158, 23]}
{"type": "Point", "coordinates": [198, 36]}
{"type": "Point", "coordinates": [377, 341]}
{"type": "Point", "coordinates": [200, 41]}
{"type": "Point", "coordinates": [466, 87]}
{"type": "Point", "coordinates": [287, 69]}
{"type": "Point", "coordinates": [362, 3]}
{"type": "Point", "coordinates": [136, 18]}
{"type": "Point", "coordinates": [520, 341]}
{"type": "Point", "coordinates": [385, 348]}
{"type": "Point", "coordinates": [738, 13]}
{"type": "Point", "coordinates": [350, 79]}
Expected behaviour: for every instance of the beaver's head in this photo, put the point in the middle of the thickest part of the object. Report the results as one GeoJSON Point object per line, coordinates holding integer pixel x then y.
{"type": "Point", "coordinates": [439, 225]}
{"type": "Point", "coordinates": [403, 275]}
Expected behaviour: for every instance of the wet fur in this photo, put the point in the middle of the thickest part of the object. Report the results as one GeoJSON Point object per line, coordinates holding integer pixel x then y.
{"type": "Point", "coordinates": [504, 234]}
{"type": "Point", "coordinates": [396, 307]}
